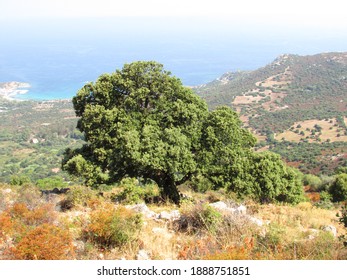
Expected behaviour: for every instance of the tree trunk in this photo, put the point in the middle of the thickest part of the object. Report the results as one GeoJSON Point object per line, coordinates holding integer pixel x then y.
{"type": "Point", "coordinates": [169, 190]}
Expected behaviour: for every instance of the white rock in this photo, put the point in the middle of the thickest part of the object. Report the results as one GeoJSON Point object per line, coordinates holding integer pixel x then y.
{"type": "Point", "coordinates": [170, 216]}
{"type": "Point", "coordinates": [220, 205]}
{"type": "Point", "coordinates": [158, 230]}
{"type": "Point", "coordinates": [256, 221]}
{"type": "Point", "coordinates": [142, 255]}
{"type": "Point", "coordinates": [143, 209]}
{"type": "Point", "coordinates": [79, 246]}
{"type": "Point", "coordinates": [331, 229]}
{"type": "Point", "coordinates": [241, 209]}
{"type": "Point", "coordinates": [311, 237]}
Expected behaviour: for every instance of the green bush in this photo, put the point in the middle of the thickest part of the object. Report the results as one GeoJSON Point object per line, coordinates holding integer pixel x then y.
{"type": "Point", "coordinates": [133, 192]}
{"type": "Point", "coordinates": [201, 217]}
{"type": "Point", "coordinates": [201, 184]}
{"type": "Point", "coordinates": [19, 180]}
{"type": "Point", "coordinates": [343, 220]}
{"type": "Point", "coordinates": [77, 195]}
{"type": "Point", "coordinates": [266, 178]}
{"type": "Point", "coordinates": [338, 189]}
{"type": "Point", "coordinates": [51, 183]}
{"type": "Point", "coordinates": [313, 181]}
{"type": "Point", "coordinates": [325, 200]}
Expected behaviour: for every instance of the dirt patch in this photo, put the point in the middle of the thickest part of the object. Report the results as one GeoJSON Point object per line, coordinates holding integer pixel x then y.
{"type": "Point", "coordinates": [314, 131]}
{"type": "Point", "coordinates": [246, 99]}
{"type": "Point", "coordinates": [23, 153]}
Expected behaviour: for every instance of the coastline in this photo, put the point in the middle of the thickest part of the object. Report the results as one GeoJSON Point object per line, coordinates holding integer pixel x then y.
{"type": "Point", "coordinates": [9, 90]}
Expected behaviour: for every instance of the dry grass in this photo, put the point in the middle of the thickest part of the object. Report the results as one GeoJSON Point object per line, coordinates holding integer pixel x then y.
{"type": "Point", "coordinates": [330, 130]}
{"type": "Point", "coordinates": [246, 99]}
{"type": "Point", "coordinates": [272, 85]}
{"type": "Point", "coordinates": [22, 153]}
{"type": "Point", "coordinates": [288, 232]}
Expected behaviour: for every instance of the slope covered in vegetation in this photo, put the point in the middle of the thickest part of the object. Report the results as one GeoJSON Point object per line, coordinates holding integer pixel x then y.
{"type": "Point", "coordinates": [292, 102]}
{"type": "Point", "coordinates": [117, 224]}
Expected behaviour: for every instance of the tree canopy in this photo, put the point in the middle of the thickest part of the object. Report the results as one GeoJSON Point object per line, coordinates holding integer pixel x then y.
{"type": "Point", "coordinates": [142, 122]}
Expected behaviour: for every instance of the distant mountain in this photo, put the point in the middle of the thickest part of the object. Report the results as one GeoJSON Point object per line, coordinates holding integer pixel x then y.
{"type": "Point", "coordinates": [294, 99]}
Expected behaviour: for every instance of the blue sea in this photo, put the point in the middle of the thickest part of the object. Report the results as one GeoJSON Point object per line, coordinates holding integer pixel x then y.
{"type": "Point", "coordinates": [57, 57]}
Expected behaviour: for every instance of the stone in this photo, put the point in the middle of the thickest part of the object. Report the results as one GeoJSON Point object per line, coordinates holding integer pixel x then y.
{"type": "Point", "coordinates": [256, 221]}
{"type": "Point", "coordinates": [143, 209]}
{"type": "Point", "coordinates": [241, 209]}
{"type": "Point", "coordinates": [219, 205]}
{"type": "Point", "coordinates": [142, 255]}
{"type": "Point", "coordinates": [222, 206]}
{"type": "Point", "coordinates": [169, 216]}
{"type": "Point", "coordinates": [331, 229]}
{"type": "Point", "coordinates": [79, 246]}
{"type": "Point", "coordinates": [311, 237]}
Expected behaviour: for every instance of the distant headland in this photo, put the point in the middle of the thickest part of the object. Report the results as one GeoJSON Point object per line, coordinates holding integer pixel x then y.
{"type": "Point", "coordinates": [9, 90]}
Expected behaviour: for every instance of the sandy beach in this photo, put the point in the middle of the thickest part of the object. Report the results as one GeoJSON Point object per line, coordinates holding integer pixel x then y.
{"type": "Point", "coordinates": [10, 90]}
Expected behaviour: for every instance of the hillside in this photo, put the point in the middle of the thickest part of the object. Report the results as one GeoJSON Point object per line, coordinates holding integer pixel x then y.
{"type": "Point", "coordinates": [119, 225]}
{"type": "Point", "coordinates": [294, 102]}
{"type": "Point", "coordinates": [33, 136]}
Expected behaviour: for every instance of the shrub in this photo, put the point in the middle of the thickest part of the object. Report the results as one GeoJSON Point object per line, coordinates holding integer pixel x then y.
{"type": "Point", "coordinates": [40, 215]}
{"type": "Point", "coordinates": [110, 226]}
{"type": "Point", "coordinates": [266, 178]}
{"type": "Point", "coordinates": [313, 181]}
{"type": "Point", "coordinates": [46, 242]}
{"type": "Point", "coordinates": [19, 180]}
{"type": "Point", "coordinates": [77, 195]}
{"type": "Point", "coordinates": [201, 184]}
{"type": "Point", "coordinates": [325, 201]}
{"type": "Point", "coordinates": [201, 217]}
{"type": "Point", "coordinates": [30, 196]}
{"type": "Point", "coordinates": [133, 192]}
{"type": "Point", "coordinates": [338, 189]}
{"type": "Point", "coordinates": [343, 220]}
{"type": "Point", "coordinates": [51, 182]}
{"type": "Point", "coordinates": [6, 225]}
{"type": "Point", "coordinates": [234, 252]}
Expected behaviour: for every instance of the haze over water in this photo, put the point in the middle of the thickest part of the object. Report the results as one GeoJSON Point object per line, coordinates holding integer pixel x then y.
{"type": "Point", "coordinates": [58, 56]}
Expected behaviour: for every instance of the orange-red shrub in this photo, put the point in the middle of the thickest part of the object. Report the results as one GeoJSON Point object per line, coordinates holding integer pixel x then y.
{"type": "Point", "coordinates": [46, 242]}
{"type": "Point", "coordinates": [40, 215]}
{"type": "Point", "coordinates": [6, 225]}
{"type": "Point", "coordinates": [110, 226]}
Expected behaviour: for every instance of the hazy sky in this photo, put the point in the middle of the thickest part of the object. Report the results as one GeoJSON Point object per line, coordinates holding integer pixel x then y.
{"type": "Point", "coordinates": [330, 13]}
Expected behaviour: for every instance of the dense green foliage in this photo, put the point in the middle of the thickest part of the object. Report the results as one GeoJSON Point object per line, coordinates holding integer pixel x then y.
{"type": "Point", "coordinates": [139, 121]}
{"type": "Point", "coordinates": [266, 178]}
{"type": "Point", "coordinates": [338, 189]}
{"type": "Point", "coordinates": [142, 122]}
{"type": "Point", "coordinates": [312, 157]}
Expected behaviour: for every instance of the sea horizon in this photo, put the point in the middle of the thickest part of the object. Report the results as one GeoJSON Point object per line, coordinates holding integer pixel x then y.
{"type": "Point", "coordinates": [58, 57]}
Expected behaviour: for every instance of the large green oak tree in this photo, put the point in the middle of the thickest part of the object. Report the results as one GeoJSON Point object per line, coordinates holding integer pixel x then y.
{"type": "Point", "coordinates": [141, 121]}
